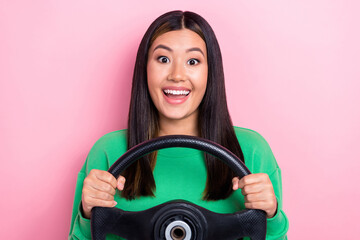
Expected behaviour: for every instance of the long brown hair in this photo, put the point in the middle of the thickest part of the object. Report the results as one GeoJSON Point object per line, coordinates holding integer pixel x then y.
{"type": "Point", "coordinates": [214, 120]}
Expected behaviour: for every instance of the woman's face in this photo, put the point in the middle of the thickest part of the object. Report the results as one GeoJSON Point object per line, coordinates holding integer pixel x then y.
{"type": "Point", "coordinates": [177, 72]}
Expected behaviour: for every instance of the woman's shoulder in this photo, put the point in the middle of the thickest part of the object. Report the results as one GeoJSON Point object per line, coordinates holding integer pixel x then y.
{"type": "Point", "coordinates": [249, 136]}
{"type": "Point", "coordinates": [114, 138]}
{"type": "Point", "coordinates": [257, 152]}
{"type": "Point", "coordinates": [107, 149]}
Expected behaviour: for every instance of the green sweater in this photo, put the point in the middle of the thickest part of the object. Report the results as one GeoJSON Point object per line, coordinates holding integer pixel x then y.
{"type": "Point", "coordinates": [180, 173]}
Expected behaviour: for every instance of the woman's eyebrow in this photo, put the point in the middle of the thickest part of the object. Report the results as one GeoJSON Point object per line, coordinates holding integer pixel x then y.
{"type": "Point", "coordinates": [195, 49]}
{"type": "Point", "coordinates": [164, 47]}
{"type": "Point", "coordinates": [170, 50]}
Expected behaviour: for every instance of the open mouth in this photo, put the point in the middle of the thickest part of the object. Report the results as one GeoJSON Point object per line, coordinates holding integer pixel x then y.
{"type": "Point", "coordinates": [176, 93]}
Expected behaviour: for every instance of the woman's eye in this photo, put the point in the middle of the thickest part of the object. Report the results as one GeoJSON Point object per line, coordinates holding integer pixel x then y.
{"type": "Point", "coordinates": [193, 61]}
{"type": "Point", "coordinates": [163, 59]}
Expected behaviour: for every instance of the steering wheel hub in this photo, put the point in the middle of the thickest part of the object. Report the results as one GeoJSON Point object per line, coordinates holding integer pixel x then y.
{"type": "Point", "coordinates": [178, 230]}
{"type": "Point", "coordinates": [179, 220]}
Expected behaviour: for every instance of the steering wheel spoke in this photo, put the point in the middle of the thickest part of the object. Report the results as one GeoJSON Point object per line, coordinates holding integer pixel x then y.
{"type": "Point", "coordinates": [126, 224]}
{"type": "Point", "coordinates": [246, 223]}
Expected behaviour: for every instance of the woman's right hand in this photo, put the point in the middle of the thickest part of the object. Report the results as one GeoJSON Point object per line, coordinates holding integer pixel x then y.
{"type": "Point", "coordinates": [99, 190]}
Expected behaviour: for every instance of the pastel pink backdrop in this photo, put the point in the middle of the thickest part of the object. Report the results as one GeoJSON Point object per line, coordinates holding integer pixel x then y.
{"type": "Point", "coordinates": [292, 74]}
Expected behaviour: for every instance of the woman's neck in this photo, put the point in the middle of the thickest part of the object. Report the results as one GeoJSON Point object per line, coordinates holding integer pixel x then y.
{"type": "Point", "coordinates": [187, 126]}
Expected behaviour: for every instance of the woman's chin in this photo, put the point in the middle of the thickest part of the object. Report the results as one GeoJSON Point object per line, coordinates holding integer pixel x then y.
{"type": "Point", "coordinates": [174, 116]}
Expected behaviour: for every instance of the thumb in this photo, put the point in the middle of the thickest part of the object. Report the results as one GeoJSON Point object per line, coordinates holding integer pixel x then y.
{"type": "Point", "coordinates": [235, 182]}
{"type": "Point", "coordinates": [121, 183]}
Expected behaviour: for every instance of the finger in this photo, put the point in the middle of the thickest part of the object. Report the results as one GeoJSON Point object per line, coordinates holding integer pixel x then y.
{"type": "Point", "coordinates": [235, 182]}
{"type": "Point", "coordinates": [252, 188]}
{"type": "Point", "coordinates": [121, 183]}
{"type": "Point", "coordinates": [102, 187]}
{"type": "Point", "coordinates": [88, 203]}
{"type": "Point", "coordinates": [249, 179]}
{"type": "Point", "coordinates": [107, 177]}
{"type": "Point", "coordinates": [256, 205]}
{"type": "Point", "coordinates": [94, 202]}
{"type": "Point", "coordinates": [101, 195]}
{"type": "Point", "coordinates": [255, 197]}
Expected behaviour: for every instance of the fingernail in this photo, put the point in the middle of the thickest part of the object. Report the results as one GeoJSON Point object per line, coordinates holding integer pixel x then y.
{"type": "Point", "coordinates": [115, 203]}
{"type": "Point", "coordinates": [121, 186]}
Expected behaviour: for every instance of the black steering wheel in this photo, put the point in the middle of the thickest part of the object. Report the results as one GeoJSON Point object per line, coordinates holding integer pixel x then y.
{"type": "Point", "coordinates": [178, 219]}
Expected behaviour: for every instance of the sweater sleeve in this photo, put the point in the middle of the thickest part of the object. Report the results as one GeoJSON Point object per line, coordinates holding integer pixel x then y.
{"type": "Point", "coordinates": [278, 225]}
{"type": "Point", "coordinates": [96, 159]}
{"type": "Point", "coordinates": [80, 226]}
{"type": "Point", "coordinates": [259, 158]}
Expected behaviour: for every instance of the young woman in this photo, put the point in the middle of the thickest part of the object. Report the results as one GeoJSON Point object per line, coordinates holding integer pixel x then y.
{"type": "Point", "coordinates": [178, 88]}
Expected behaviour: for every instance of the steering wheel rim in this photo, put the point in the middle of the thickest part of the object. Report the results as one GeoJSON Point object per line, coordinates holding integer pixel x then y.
{"type": "Point", "coordinates": [186, 141]}
{"type": "Point", "coordinates": [257, 217]}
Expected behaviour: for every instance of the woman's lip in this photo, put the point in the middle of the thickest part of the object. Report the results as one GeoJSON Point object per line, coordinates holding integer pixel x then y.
{"type": "Point", "coordinates": [176, 88]}
{"type": "Point", "coordinates": [175, 100]}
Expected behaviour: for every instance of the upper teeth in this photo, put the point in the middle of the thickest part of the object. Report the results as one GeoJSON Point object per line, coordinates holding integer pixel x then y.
{"type": "Point", "coordinates": [176, 92]}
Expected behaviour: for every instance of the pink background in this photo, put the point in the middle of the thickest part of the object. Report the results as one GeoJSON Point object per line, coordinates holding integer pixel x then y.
{"type": "Point", "coordinates": [292, 74]}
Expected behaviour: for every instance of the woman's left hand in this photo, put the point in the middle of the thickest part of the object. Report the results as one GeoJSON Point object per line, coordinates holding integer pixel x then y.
{"type": "Point", "coordinates": [258, 192]}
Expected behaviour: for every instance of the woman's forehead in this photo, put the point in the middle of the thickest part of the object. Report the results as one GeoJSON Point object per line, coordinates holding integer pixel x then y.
{"type": "Point", "coordinates": [183, 39]}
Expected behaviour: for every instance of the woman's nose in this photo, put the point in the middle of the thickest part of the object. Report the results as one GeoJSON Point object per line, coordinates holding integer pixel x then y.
{"type": "Point", "coordinates": [178, 72]}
